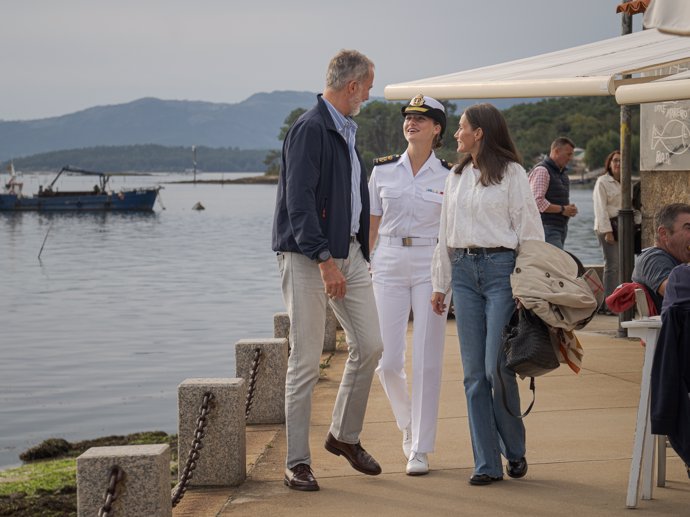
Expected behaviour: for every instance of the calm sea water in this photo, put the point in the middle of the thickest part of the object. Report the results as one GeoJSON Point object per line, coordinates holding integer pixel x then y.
{"type": "Point", "coordinates": [121, 308]}
{"type": "Point", "coordinates": [97, 335]}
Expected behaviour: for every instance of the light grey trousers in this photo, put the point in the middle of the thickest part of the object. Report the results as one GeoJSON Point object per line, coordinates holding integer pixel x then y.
{"type": "Point", "coordinates": [611, 252]}
{"type": "Point", "coordinates": [305, 299]}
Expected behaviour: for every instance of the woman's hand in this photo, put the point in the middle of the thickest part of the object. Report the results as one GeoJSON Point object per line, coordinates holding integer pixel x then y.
{"type": "Point", "coordinates": [609, 238]}
{"type": "Point", "coordinates": [437, 304]}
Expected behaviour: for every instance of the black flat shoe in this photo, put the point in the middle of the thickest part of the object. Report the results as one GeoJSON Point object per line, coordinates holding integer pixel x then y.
{"type": "Point", "coordinates": [517, 469]}
{"type": "Point", "coordinates": [484, 479]}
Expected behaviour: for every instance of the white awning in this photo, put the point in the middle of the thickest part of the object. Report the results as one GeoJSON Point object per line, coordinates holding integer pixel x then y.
{"type": "Point", "coordinates": [595, 69]}
{"type": "Point", "coordinates": [672, 88]}
{"type": "Point", "coordinates": [671, 16]}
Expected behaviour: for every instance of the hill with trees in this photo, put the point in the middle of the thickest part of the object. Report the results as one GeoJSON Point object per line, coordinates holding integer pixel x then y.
{"type": "Point", "coordinates": [250, 124]}
{"type": "Point", "coordinates": [147, 158]}
{"type": "Point", "coordinates": [591, 122]}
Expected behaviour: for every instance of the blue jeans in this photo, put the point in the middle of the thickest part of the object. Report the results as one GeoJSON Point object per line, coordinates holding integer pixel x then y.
{"type": "Point", "coordinates": [555, 234]}
{"type": "Point", "coordinates": [483, 305]}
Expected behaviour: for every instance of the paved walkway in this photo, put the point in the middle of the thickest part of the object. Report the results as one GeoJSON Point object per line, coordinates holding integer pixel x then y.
{"type": "Point", "coordinates": [579, 446]}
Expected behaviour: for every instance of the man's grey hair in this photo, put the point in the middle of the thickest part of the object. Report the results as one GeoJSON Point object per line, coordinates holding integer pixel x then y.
{"type": "Point", "coordinates": [667, 214]}
{"type": "Point", "coordinates": [346, 66]}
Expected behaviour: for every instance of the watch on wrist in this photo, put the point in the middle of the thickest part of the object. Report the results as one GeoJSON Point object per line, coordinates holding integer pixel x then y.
{"type": "Point", "coordinates": [562, 209]}
{"type": "Point", "coordinates": [323, 256]}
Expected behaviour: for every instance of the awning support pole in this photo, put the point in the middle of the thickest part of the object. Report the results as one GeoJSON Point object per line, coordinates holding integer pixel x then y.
{"type": "Point", "coordinates": [626, 234]}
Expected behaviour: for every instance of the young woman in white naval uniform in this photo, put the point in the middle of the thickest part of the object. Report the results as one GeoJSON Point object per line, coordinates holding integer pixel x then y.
{"type": "Point", "coordinates": [406, 193]}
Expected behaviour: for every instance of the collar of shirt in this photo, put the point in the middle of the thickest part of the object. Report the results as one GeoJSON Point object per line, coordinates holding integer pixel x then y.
{"type": "Point", "coordinates": [345, 125]}
{"type": "Point", "coordinates": [427, 166]}
{"type": "Point", "coordinates": [347, 129]}
{"type": "Point", "coordinates": [608, 178]}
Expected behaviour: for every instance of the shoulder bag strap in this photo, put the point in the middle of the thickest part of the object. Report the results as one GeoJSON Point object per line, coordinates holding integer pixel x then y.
{"type": "Point", "coordinates": [503, 390]}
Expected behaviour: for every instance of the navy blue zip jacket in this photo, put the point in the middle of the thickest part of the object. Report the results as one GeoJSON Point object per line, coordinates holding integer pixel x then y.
{"type": "Point", "coordinates": [313, 202]}
{"type": "Point", "coordinates": [670, 383]}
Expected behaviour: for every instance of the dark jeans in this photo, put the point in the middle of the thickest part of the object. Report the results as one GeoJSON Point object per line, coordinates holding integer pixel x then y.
{"type": "Point", "coordinates": [555, 234]}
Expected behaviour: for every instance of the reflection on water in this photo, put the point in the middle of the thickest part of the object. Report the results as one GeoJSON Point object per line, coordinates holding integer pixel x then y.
{"type": "Point", "coordinates": [121, 308]}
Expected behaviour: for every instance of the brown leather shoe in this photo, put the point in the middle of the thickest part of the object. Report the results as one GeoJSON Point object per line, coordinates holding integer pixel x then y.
{"type": "Point", "coordinates": [300, 477]}
{"type": "Point", "coordinates": [360, 459]}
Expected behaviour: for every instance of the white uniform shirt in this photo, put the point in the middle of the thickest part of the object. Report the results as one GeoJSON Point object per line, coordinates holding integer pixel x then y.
{"type": "Point", "coordinates": [409, 205]}
{"type": "Point", "coordinates": [475, 216]}
{"type": "Point", "coordinates": [607, 202]}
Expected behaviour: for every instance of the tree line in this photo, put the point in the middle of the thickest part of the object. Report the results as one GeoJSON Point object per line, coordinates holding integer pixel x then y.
{"type": "Point", "coordinates": [148, 158]}
{"type": "Point", "coordinates": [593, 123]}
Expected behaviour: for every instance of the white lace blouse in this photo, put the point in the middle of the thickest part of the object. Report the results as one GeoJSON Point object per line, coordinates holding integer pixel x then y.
{"type": "Point", "coordinates": [475, 216]}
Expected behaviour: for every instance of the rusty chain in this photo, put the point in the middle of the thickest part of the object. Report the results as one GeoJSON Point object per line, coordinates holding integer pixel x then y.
{"type": "Point", "coordinates": [194, 454]}
{"type": "Point", "coordinates": [251, 388]}
{"type": "Point", "coordinates": [116, 475]}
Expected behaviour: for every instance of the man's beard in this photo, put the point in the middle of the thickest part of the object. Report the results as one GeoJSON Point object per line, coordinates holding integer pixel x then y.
{"type": "Point", "coordinates": [355, 106]}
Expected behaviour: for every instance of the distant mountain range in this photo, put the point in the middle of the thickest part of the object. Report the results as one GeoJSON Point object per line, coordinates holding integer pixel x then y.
{"type": "Point", "coordinates": [251, 124]}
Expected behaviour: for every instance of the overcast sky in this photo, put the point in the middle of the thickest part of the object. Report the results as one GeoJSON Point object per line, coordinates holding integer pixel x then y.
{"type": "Point", "coordinates": [61, 56]}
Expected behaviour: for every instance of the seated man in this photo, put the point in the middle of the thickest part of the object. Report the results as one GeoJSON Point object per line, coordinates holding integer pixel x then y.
{"type": "Point", "coordinates": [671, 248]}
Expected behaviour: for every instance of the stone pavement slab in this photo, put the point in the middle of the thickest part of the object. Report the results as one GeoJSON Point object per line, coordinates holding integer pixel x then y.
{"type": "Point", "coordinates": [579, 447]}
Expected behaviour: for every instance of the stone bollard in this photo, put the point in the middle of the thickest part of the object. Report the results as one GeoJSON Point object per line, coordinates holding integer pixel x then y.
{"type": "Point", "coordinates": [223, 460]}
{"type": "Point", "coordinates": [331, 328]}
{"type": "Point", "coordinates": [268, 404]}
{"type": "Point", "coordinates": [281, 325]}
{"type": "Point", "coordinates": [281, 328]}
{"type": "Point", "coordinates": [144, 490]}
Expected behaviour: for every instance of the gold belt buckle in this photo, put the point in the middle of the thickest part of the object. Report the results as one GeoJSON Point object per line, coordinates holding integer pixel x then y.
{"type": "Point", "coordinates": [407, 241]}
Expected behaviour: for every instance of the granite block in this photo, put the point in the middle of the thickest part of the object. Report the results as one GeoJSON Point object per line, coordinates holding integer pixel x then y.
{"type": "Point", "coordinates": [268, 405]}
{"type": "Point", "coordinates": [143, 492]}
{"type": "Point", "coordinates": [222, 459]}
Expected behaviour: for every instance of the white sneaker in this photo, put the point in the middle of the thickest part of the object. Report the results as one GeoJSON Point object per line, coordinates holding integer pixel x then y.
{"type": "Point", "coordinates": [407, 441]}
{"type": "Point", "coordinates": [418, 464]}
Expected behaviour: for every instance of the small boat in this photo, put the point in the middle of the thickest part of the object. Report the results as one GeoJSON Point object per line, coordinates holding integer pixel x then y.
{"type": "Point", "coordinates": [98, 199]}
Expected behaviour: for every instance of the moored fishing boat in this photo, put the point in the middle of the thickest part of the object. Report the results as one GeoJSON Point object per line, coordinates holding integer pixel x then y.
{"type": "Point", "coordinates": [100, 198]}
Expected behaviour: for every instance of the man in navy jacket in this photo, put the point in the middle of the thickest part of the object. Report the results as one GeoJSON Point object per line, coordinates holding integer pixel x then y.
{"type": "Point", "coordinates": [670, 383]}
{"type": "Point", "coordinates": [321, 234]}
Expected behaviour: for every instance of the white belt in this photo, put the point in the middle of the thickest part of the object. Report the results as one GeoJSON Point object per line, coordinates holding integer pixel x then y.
{"type": "Point", "coordinates": [408, 241]}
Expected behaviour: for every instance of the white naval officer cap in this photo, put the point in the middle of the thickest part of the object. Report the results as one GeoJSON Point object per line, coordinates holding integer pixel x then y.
{"type": "Point", "coordinates": [428, 107]}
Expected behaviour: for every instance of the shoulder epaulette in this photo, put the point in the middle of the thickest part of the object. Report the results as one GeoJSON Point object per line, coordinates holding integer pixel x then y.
{"type": "Point", "coordinates": [386, 159]}
{"type": "Point", "coordinates": [447, 165]}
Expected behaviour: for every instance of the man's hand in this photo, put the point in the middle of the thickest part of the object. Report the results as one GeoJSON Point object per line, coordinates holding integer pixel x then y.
{"type": "Point", "coordinates": [333, 280]}
{"type": "Point", "coordinates": [437, 304]}
{"type": "Point", "coordinates": [570, 210]}
{"type": "Point", "coordinates": [608, 237]}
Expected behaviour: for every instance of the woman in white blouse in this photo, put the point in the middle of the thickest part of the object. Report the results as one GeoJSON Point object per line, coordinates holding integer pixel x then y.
{"type": "Point", "coordinates": [488, 210]}
{"type": "Point", "coordinates": [607, 203]}
{"type": "Point", "coordinates": [406, 192]}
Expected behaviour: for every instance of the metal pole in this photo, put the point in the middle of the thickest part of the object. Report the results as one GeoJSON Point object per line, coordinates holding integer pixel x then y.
{"type": "Point", "coordinates": [194, 159]}
{"type": "Point", "coordinates": [626, 234]}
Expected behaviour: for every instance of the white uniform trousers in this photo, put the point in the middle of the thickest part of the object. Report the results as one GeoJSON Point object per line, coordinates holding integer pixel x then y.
{"type": "Point", "coordinates": [402, 280]}
{"type": "Point", "coordinates": [305, 299]}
